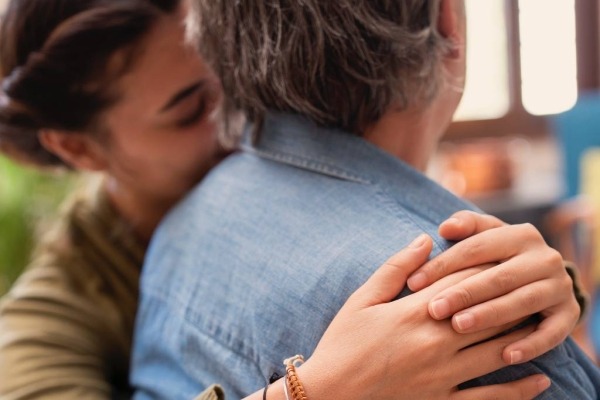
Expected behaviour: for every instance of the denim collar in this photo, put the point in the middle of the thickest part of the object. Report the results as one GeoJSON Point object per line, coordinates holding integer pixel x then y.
{"type": "Point", "coordinates": [296, 141]}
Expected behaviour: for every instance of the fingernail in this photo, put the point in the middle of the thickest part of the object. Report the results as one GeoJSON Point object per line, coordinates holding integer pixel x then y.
{"type": "Point", "coordinates": [454, 221]}
{"type": "Point", "coordinates": [418, 242]}
{"type": "Point", "coordinates": [464, 321]}
{"type": "Point", "coordinates": [516, 357]}
{"type": "Point", "coordinates": [417, 281]}
{"type": "Point", "coordinates": [440, 308]}
{"type": "Point", "coordinates": [543, 383]}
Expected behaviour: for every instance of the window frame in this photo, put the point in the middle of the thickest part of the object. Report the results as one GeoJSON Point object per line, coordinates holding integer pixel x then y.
{"type": "Point", "coordinates": [517, 121]}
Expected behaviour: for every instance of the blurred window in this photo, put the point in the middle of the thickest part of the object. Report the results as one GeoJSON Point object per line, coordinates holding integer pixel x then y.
{"type": "Point", "coordinates": [548, 55]}
{"type": "Point", "coordinates": [524, 58]}
{"type": "Point", "coordinates": [487, 62]}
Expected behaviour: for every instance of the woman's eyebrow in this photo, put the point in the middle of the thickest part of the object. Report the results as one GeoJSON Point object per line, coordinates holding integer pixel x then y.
{"type": "Point", "coordinates": [182, 95]}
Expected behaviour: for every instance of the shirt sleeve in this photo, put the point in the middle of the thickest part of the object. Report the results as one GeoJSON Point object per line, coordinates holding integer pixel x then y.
{"type": "Point", "coordinates": [580, 294]}
{"type": "Point", "coordinates": [51, 345]}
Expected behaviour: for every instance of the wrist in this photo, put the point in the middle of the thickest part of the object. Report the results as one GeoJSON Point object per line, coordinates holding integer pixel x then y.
{"type": "Point", "coordinates": [320, 383]}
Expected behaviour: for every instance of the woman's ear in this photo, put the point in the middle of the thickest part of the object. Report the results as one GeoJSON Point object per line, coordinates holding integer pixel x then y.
{"type": "Point", "coordinates": [77, 150]}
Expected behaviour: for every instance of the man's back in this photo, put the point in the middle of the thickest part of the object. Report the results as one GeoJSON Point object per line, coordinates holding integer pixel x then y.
{"type": "Point", "coordinates": [251, 268]}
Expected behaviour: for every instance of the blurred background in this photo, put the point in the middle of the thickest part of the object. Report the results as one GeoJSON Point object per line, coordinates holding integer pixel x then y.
{"type": "Point", "coordinates": [28, 202]}
{"type": "Point", "coordinates": [524, 144]}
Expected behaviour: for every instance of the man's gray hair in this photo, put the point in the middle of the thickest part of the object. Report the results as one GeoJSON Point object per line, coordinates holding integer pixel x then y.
{"type": "Point", "coordinates": [342, 63]}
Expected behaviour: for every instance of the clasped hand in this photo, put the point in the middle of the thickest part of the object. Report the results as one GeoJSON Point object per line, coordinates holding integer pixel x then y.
{"type": "Point", "coordinates": [424, 345]}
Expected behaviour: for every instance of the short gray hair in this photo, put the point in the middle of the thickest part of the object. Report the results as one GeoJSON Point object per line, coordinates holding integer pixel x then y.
{"type": "Point", "coordinates": [342, 63]}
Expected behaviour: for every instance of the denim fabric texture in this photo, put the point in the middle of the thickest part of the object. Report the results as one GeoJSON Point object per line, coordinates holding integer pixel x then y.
{"type": "Point", "coordinates": [252, 266]}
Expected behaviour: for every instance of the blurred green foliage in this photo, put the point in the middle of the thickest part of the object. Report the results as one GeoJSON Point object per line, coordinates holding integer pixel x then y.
{"type": "Point", "coordinates": [27, 197]}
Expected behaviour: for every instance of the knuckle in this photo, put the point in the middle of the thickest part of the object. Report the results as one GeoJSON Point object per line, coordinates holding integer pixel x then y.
{"type": "Point", "coordinates": [438, 267]}
{"type": "Point", "coordinates": [473, 249]}
{"type": "Point", "coordinates": [434, 342]}
{"type": "Point", "coordinates": [566, 287]}
{"type": "Point", "coordinates": [555, 259]}
{"type": "Point", "coordinates": [530, 232]}
{"type": "Point", "coordinates": [531, 299]}
{"type": "Point", "coordinates": [464, 297]}
{"type": "Point", "coordinates": [397, 267]}
{"type": "Point", "coordinates": [552, 260]}
{"type": "Point", "coordinates": [487, 316]}
{"type": "Point", "coordinates": [504, 279]}
{"type": "Point", "coordinates": [493, 313]}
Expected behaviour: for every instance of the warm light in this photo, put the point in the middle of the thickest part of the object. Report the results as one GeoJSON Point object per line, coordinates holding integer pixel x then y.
{"type": "Point", "coordinates": [487, 94]}
{"type": "Point", "coordinates": [548, 55]}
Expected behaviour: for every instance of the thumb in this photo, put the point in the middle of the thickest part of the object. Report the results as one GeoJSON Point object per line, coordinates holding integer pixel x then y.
{"type": "Point", "coordinates": [389, 280]}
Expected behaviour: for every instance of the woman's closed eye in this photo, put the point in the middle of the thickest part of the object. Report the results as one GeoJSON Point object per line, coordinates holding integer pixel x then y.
{"type": "Point", "coordinates": [193, 111]}
{"type": "Point", "coordinates": [190, 104]}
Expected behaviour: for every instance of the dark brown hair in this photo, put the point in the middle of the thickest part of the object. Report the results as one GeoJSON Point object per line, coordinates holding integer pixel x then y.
{"type": "Point", "coordinates": [57, 62]}
{"type": "Point", "coordinates": [340, 62]}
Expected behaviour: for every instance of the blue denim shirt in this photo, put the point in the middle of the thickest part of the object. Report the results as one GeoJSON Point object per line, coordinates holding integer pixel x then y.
{"type": "Point", "coordinates": [252, 266]}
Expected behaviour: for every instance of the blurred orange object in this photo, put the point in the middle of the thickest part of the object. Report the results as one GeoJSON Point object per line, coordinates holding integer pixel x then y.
{"type": "Point", "coordinates": [478, 167]}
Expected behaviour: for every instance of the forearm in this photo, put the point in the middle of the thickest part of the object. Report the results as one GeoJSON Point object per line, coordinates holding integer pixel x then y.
{"type": "Point", "coordinates": [274, 392]}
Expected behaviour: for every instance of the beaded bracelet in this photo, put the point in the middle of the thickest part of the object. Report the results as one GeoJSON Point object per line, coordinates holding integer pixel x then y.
{"type": "Point", "coordinates": [293, 384]}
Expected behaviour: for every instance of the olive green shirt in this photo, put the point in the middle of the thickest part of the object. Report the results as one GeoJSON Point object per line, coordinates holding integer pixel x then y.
{"type": "Point", "coordinates": [66, 325]}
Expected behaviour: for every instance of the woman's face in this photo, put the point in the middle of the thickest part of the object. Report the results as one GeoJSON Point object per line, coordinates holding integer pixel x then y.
{"type": "Point", "coordinates": [162, 132]}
